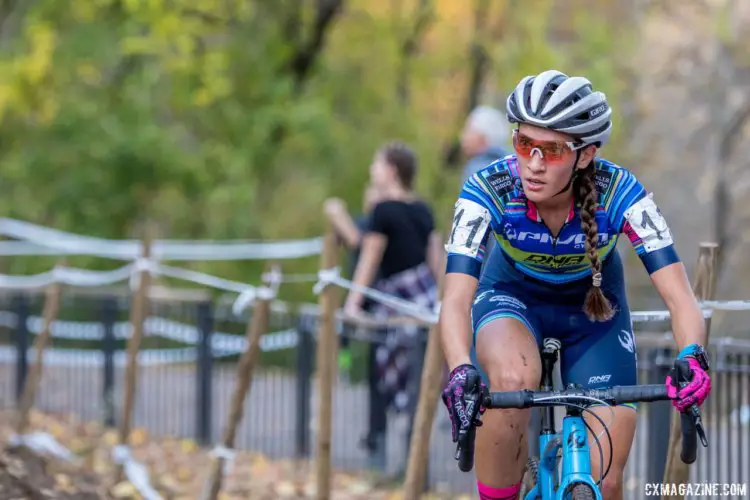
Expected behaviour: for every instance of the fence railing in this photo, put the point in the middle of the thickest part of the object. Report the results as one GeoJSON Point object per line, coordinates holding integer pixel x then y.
{"type": "Point", "coordinates": [187, 372]}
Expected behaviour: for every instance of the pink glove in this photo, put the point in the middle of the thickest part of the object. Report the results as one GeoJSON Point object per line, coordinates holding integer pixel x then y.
{"type": "Point", "coordinates": [695, 392]}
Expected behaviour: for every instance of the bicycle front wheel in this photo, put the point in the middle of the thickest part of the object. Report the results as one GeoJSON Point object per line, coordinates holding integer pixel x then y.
{"type": "Point", "coordinates": [581, 491]}
{"type": "Point", "coordinates": [530, 477]}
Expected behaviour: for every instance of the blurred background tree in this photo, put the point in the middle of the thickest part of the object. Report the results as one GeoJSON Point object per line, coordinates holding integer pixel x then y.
{"type": "Point", "coordinates": [236, 119]}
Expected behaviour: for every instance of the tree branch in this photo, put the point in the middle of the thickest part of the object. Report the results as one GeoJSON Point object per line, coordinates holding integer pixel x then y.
{"type": "Point", "coordinates": [478, 55]}
{"type": "Point", "coordinates": [424, 16]}
{"type": "Point", "coordinates": [479, 64]}
{"type": "Point", "coordinates": [307, 54]}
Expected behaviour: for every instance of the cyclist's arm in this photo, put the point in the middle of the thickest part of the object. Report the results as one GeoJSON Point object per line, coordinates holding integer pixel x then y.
{"type": "Point", "coordinates": [465, 249]}
{"type": "Point", "coordinates": [455, 317]}
{"type": "Point", "coordinates": [687, 319]}
{"type": "Point", "coordinates": [649, 233]}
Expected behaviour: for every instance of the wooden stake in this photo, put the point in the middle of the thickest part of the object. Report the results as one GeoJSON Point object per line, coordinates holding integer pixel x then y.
{"type": "Point", "coordinates": [429, 395]}
{"type": "Point", "coordinates": [704, 287]}
{"type": "Point", "coordinates": [138, 312]}
{"type": "Point", "coordinates": [51, 310]}
{"type": "Point", "coordinates": [326, 366]}
{"type": "Point", "coordinates": [256, 328]}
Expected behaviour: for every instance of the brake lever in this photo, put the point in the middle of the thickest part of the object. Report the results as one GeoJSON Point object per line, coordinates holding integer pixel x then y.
{"type": "Point", "coordinates": [680, 382]}
{"type": "Point", "coordinates": [466, 434]}
{"type": "Point", "coordinates": [698, 421]}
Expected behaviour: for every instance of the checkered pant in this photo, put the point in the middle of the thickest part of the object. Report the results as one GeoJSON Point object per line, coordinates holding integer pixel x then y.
{"type": "Point", "coordinates": [394, 355]}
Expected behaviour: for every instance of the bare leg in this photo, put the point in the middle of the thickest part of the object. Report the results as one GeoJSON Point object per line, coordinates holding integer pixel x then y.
{"type": "Point", "coordinates": [509, 354]}
{"type": "Point", "coordinates": [622, 430]}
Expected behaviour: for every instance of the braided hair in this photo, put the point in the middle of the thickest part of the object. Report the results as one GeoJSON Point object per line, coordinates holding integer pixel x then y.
{"type": "Point", "coordinates": [596, 305]}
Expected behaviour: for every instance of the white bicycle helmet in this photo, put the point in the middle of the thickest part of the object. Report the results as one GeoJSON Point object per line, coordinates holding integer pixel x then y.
{"type": "Point", "coordinates": [555, 101]}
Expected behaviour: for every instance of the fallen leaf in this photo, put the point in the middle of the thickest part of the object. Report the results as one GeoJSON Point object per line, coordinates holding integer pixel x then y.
{"type": "Point", "coordinates": [124, 489]}
{"type": "Point", "coordinates": [138, 437]}
{"type": "Point", "coordinates": [184, 473]}
{"type": "Point", "coordinates": [110, 438]}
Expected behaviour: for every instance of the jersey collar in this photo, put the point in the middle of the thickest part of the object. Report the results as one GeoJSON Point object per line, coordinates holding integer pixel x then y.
{"type": "Point", "coordinates": [533, 213]}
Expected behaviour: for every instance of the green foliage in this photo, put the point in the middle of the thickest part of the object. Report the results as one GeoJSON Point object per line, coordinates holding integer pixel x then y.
{"type": "Point", "coordinates": [191, 113]}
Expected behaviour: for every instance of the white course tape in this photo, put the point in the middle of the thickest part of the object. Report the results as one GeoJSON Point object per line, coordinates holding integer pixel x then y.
{"type": "Point", "coordinates": [40, 240]}
{"type": "Point", "coordinates": [224, 343]}
{"type": "Point", "coordinates": [136, 472]}
{"type": "Point", "coordinates": [646, 316]}
{"type": "Point", "coordinates": [44, 444]}
{"type": "Point", "coordinates": [332, 276]}
{"type": "Point", "coordinates": [68, 276]}
{"type": "Point", "coordinates": [94, 358]}
{"type": "Point", "coordinates": [86, 278]}
{"type": "Point", "coordinates": [25, 248]}
{"type": "Point", "coordinates": [226, 455]}
{"type": "Point", "coordinates": [148, 357]}
{"type": "Point", "coordinates": [247, 293]}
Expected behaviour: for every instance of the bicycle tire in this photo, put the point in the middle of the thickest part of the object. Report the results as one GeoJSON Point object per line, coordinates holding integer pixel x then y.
{"type": "Point", "coordinates": [530, 477]}
{"type": "Point", "coordinates": [581, 491]}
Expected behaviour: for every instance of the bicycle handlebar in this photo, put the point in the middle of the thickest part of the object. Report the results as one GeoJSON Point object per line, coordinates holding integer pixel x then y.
{"type": "Point", "coordinates": [690, 420]}
{"type": "Point", "coordinates": [582, 397]}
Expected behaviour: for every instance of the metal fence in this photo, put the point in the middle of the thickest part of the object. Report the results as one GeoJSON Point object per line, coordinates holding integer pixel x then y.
{"type": "Point", "coordinates": [187, 375]}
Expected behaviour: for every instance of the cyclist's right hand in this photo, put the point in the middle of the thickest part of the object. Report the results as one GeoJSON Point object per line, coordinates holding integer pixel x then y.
{"type": "Point", "coordinates": [464, 381]}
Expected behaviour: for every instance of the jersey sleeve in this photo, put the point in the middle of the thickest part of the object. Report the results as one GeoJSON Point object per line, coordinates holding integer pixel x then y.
{"type": "Point", "coordinates": [467, 242]}
{"type": "Point", "coordinates": [636, 215]}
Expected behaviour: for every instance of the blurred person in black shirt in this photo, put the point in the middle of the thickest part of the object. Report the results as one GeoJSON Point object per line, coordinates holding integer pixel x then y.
{"type": "Point", "coordinates": [401, 244]}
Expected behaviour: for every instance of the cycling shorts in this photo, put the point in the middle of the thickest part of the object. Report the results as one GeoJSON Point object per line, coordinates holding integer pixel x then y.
{"type": "Point", "coordinates": [595, 355]}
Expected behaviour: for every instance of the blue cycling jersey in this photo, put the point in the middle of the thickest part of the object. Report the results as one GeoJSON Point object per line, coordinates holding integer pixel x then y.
{"type": "Point", "coordinates": [492, 201]}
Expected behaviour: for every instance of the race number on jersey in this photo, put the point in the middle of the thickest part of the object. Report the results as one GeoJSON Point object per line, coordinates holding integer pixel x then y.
{"type": "Point", "coordinates": [470, 223]}
{"type": "Point", "coordinates": [649, 224]}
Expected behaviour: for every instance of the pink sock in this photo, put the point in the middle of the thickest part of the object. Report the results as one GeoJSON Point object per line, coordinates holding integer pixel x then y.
{"type": "Point", "coordinates": [490, 493]}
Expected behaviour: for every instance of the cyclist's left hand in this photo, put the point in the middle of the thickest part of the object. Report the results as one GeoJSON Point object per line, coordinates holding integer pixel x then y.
{"type": "Point", "coordinates": [694, 392]}
{"type": "Point", "coordinates": [463, 379]}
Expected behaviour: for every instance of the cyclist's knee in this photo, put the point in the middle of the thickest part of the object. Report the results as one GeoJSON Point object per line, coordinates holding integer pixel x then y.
{"type": "Point", "coordinates": [509, 355]}
{"type": "Point", "coordinates": [506, 378]}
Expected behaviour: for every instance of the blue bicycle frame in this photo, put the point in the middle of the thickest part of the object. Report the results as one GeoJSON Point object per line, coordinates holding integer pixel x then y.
{"type": "Point", "coordinates": [576, 461]}
{"type": "Point", "coordinates": [573, 440]}
{"type": "Point", "coordinates": [576, 458]}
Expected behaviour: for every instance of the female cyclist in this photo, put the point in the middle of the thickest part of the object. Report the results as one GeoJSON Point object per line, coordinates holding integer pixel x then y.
{"type": "Point", "coordinates": [556, 211]}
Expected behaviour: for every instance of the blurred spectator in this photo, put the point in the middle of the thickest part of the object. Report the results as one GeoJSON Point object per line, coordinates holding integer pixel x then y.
{"type": "Point", "coordinates": [401, 238]}
{"type": "Point", "coordinates": [350, 229]}
{"type": "Point", "coordinates": [484, 139]}
{"type": "Point", "coordinates": [402, 243]}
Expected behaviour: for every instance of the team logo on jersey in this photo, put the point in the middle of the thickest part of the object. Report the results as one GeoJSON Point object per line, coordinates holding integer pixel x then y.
{"type": "Point", "coordinates": [577, 241]}
{"type": "Point", "coordinates": [626, 340]}
{"type": "Point", "coordinates": [481, 296]}
{"type": "Point", "coordinates": [555, 261]}
{"type": "Point", "coordinates": [602, 180]}
{"type": "Point", "coordinates": [501, 183]}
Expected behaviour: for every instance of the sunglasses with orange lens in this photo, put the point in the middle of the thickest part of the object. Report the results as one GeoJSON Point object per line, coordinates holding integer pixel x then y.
{"type": "Point", "coordinates": [551, 151]}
